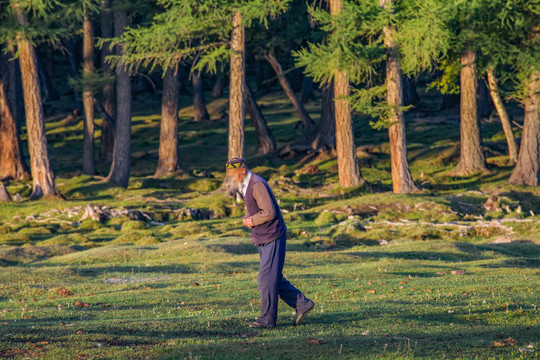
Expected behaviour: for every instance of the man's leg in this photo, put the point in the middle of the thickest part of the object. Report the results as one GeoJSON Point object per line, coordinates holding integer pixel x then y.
{"type": "Point", "coordinates": [267, 280]}
{"type": "Point", "coordinates": [287, 292]}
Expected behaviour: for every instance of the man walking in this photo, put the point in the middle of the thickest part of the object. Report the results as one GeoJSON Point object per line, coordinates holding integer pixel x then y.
{"type": "Point", "coordinates": [269, 234]}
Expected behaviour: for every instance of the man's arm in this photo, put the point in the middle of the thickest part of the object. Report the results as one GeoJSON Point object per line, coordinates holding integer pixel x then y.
{"type": "Point", "coordinates": [264, 202]}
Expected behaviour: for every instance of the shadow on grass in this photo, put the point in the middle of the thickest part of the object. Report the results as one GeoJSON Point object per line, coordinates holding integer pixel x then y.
{"type": "Point", "coordinates": [515, 249]}
{"type": "Point", "coordinates": [415, 343]}
{"type": "Point", "coordinates": [132, 271]}
{"type": "Point", "coordinates": [418, 255]}
{"type": "Point", "coordinates": [236, 249]}
{"type": "Point", "coordinates": [468, 183]}
{"type": "Point", "coordinates": [92, 192]}
{"type": "Point", "coordinates": [527, 200]}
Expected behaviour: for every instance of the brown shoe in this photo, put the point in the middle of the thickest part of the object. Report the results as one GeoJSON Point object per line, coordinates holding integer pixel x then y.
{"type": "Point", "coordinates": [256, 324]}
{"type": "Point", "coordinates": [300, 316]}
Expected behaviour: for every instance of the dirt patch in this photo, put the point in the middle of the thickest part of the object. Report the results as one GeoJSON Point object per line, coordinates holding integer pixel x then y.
{"type": "Point", "coordinates": [21, 353]}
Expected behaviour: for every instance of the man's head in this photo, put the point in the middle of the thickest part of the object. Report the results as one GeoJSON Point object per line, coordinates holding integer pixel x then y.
{"type": "Point", "coordinates": [237, 169]}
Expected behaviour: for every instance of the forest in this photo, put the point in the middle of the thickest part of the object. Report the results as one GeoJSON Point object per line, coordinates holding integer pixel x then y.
{"type": "Point", "coordinates": [367, 58]}
{"type": "Point", "coordinates": [400, 137]}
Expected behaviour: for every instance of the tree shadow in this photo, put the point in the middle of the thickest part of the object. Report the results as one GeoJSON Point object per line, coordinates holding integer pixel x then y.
{"type": "Point", "coordinates": [236, 249]}
{"type": "Point", "coordinates": [91, 192]}
{"type": "Point", "coordinates": [514, 249]}
{"type": "Point", "coordinates": [528, 200]}
{"type": "Point", "coordinates": [418, 255]}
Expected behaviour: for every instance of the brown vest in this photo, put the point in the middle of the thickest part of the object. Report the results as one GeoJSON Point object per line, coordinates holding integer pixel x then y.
{"type": "Point", "coordinates": [271, 230]}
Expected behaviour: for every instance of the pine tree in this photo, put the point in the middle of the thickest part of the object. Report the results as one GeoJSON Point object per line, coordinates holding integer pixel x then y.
{"type": "Point", "coordinates": [236, 87]}
{"type": "Point", "coordinates": [409, 33]}
{"type": "Point", "coordinates": [108, 105]}
{"type": "Point", "coordinates": [168, 162]}
{"type": "Point", "coordinates": [23, 25]}
{"type": "Point", "coordinates": [267, 143]}
{"type": "Point", "coordinates": [402, 181]}
{"type": "Point", "coordinates": [471, 159]}
{"type": "Point", "coordinates": [209, 31]}
{"type": "Point", "coordinates": [522, 37]}
{"type": "Point", "coordinates": [503, 114]}
{"type": "Point", "coordinates": [89, 167]}
{"type": "Point", "coordinates": [121, 162]}
{"type": "Point", "coordinates": [200, 113]}
{"type": "Point", "coordinates": [12, 165]}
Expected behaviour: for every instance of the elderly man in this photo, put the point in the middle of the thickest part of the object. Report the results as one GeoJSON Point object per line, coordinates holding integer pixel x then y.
{"type": "Point", "coordinates": [269, 234]}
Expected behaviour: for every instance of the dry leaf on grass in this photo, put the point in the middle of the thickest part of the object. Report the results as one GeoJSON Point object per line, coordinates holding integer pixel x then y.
{"type": "Point", "coordinates": [64, 292]}
{"type": "Point", "coordinates": [505, 342]}
{"type": "Point", "coordinates": [372, 291]}
{"type": "Point", "coordinates": [314, 341]}
{"type": "Point", "coordinates": [81, 304]}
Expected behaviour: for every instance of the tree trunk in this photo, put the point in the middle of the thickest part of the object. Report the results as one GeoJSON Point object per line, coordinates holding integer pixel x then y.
{"type": "Point", "coordinates": [69, 44]}
{"type": "Point", "coordinates": [121, 164]}
{"type": "Point", "coordinates": [484, 107]}
{"type": "Point", "coordinates": [326, 133]}
{"type": "Point", "coordinates": [307, 122]}
{"type": "Point", "coordinates": [449, 101]}
{"type": "Point", "coordinates": [46, 84]}
{"type": "Point", "coordinates": [13, 89]}
{"type": "Point", "coordinates": [527, 170]}
{"type": "Point", "coordinates": [349, 171]}
{"type": "Point", "coordinates": [217, 90]}
{"type": "Point", "coordinates": [168, 140]}
{"type": "Point", "coordinates": [183, 76]}
{"type": "Point", "coordinates": [88, 98]}
{"type": "Point", "coordinates": [267, 143]}
{"type": "Point", "coordinates": [307, 89]}
{"type": "Point", "coordinates": [199, 105]}
{"type": "Point", "coordinates": [237, 83]}
{"type": "Point", "coordinates": [471, 154]}
{"type": "Point", "coordinates": [108, 95]}
{"type": "Point", "coordinates": [236, 88]}
{"type": "Point", "coordinates": [42, 175]}
{"type": "Point", "coordinates": [402, 181]}
{"type": "Point", "coordinates": [262, 85]}
{"type": "Point", "coordinates": [11, 162]}
{"type": "Point", "coordinates": [503, 115]}
{"type": "Point", "coordinates": [410, 95]}
{"type": "Point", "coordinates": [4, 194]}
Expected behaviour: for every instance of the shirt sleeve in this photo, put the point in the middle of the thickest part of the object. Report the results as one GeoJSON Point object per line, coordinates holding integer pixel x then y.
{"type": "Point", "coordinates": [264, 202]}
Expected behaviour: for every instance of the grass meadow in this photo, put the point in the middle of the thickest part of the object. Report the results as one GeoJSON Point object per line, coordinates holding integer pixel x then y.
{"type": "Point", "coordinates": [451, 272]}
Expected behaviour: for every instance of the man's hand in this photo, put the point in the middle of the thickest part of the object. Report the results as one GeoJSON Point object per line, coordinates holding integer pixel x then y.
{"type": "Point", "coordinates": [248, 222]}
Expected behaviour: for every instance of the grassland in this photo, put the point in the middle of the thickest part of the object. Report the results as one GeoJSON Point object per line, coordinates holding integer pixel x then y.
{"type": "Point", "coordinates": [171, 274]}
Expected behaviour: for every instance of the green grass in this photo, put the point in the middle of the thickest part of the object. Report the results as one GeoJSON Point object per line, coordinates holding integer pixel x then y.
{"type": "Point", "coordinates": [144, 302]}
{"type": "Point", "coordinates": [378, 265]}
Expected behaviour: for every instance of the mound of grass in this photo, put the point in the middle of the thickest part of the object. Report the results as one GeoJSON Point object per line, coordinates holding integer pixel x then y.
{"type": "Point", "coordinates": [38, 230]}
{"type": "Point", "coordinates": [89, 224]}
{"type": "Point", "coordinates": [326, 218]}
{"type": "Point", "coordinates": [133, 225]}
{"type": "Point", "coordinates": [187, 228]}
{"type": "Point", "coordinates": [15, 239]}
{"type": "Point", "coordinates": [205, 185]}
{"type": "Point", "coordinates": [349, 230]}
{"type": "Point", "coordinates": [137, 238]}
{"type": "Point", "coordinates": [65, 239]}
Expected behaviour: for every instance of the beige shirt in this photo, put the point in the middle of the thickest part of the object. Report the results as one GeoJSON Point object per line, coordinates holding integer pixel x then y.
{"type": "Point", "coordinates": [264, 202]}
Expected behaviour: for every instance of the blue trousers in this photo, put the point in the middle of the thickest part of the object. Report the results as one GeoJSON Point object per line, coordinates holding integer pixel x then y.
{"type": "Point", "coordinates": [273, 285]}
